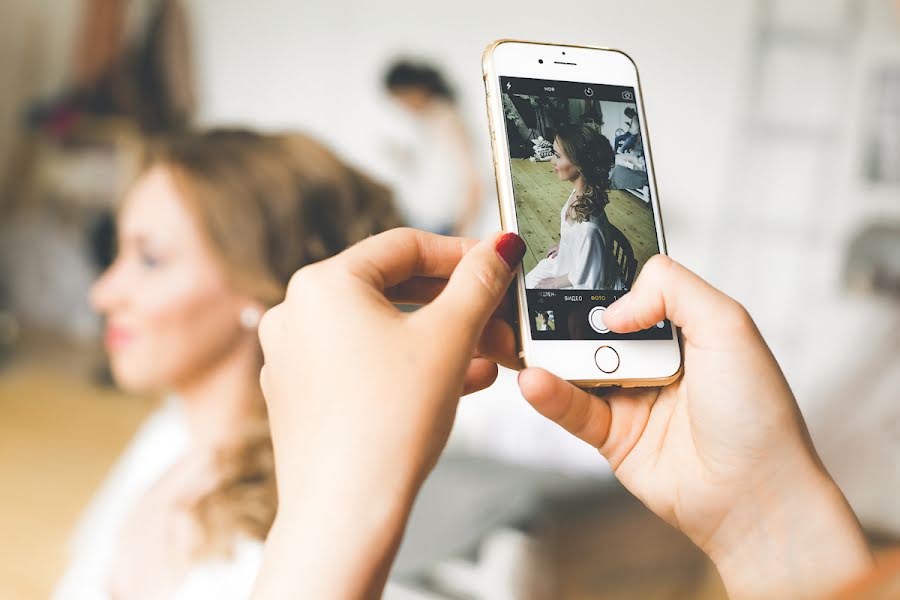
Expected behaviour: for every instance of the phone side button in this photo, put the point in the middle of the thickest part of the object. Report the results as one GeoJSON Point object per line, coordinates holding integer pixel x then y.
{"type": "Point", "coordinates": [607, 359]}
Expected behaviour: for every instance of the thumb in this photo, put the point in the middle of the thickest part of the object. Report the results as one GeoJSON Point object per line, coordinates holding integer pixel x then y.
{"type": "Point", "coordinates": [476, 286]}
{"type": "Point", "coordinates": [666, 290]}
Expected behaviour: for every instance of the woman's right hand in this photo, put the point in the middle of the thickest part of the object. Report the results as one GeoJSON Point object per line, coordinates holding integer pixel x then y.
{"type": "Point", "coordinates": [553, 251]}
{"type": "Point", "coordinates": [723, 453]}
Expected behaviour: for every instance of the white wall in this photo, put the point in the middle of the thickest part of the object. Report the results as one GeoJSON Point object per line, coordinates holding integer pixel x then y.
{"type": "Point", "coordinates": [318, 66]}
{"type": "Point", "coordinates": [279, 63]}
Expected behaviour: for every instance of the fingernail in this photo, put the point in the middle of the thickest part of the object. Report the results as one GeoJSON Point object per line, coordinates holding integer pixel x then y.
{"type": "Point", "coordinates": [618, 306]}
{"type": "Point", "coordinates": [511, 249]}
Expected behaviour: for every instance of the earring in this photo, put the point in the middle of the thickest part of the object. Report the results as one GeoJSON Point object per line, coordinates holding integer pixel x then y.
{"type": "Point", "coordinates": [250, 317]}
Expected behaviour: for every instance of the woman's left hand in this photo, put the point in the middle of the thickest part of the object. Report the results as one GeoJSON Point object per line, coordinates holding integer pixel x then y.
{"type": "Point", "coordinates": [553, 251]}
{"type": "Point", "coordinates": [362, 396]}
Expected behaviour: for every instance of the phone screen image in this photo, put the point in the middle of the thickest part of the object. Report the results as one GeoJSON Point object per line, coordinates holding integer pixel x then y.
{"type": "Point", "coordinates": [583, 202]}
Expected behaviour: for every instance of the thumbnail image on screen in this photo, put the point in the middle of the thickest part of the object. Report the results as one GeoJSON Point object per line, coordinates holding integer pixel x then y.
{"type": "Point", "coordinates": [582, 198]}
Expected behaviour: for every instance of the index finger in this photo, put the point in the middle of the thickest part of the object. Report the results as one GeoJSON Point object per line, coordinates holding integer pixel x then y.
{"type": "Point", "coordinates": [394, 256]}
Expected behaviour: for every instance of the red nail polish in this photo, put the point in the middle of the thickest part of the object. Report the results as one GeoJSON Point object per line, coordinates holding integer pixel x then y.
{"type": "Point", "coordinates": [511, 249]}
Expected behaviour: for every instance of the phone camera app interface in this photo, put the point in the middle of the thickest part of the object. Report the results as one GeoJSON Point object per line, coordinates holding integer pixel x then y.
{"type": "Point", "coordinates": [583, 205]}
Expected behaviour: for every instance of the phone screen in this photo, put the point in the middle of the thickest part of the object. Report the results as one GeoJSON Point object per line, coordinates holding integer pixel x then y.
{"type": "Point", "coordinates": [583, 202]}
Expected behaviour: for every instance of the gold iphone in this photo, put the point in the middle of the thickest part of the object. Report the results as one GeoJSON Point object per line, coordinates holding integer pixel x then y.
{"type": "Point", "coordinates": [575, 181]}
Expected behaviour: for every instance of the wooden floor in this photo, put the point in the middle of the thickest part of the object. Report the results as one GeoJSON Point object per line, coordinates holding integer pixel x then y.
{"type": "Point", "coordinates": [59, 435]}
{"type": "Point", "coordinates": [540, 196]}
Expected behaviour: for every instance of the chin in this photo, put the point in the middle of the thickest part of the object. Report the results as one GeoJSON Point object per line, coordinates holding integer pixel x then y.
{"type": "Point", "coordinates": [132, 377]}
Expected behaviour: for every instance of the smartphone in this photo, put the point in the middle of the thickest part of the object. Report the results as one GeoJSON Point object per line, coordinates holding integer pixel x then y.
{"type": "Point", "coordinates": [575, 181]}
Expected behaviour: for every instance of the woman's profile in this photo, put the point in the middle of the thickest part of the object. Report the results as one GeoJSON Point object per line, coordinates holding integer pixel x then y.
{"type": "Point", "coordinates": [208, 237]}
{"type": "Point", "coordinates": [584, 258]}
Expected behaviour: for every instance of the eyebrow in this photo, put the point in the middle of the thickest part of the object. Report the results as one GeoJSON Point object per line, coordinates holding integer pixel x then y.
{"type": "Point", "coordinates": [139, 239]}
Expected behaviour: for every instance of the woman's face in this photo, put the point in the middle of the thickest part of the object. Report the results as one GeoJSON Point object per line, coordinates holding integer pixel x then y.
{"type": "Point", "coordinates": [565, 170]}
{"type": "Point", "coordinates": [413, 98]}
{"type": "Point", "coordinates": [170, 313]}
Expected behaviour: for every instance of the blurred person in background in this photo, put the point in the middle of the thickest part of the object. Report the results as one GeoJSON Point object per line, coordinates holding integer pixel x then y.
{"type": "Point", "coordinates": [627, 140]}
{"type": "Point", "coordinates": [437, 184]}
{"type": "Point", "coordinates": [208, 237]}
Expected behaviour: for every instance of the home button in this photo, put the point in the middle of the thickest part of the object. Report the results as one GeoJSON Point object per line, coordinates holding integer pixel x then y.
{"type": "Point", "coordinates": [607, 359]}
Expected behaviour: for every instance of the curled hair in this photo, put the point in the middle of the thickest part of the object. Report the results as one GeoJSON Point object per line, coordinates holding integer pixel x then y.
{"type": "Point", "coordinates": [266, 205]}
{"type": "Point", "coordinates": [593, 156]}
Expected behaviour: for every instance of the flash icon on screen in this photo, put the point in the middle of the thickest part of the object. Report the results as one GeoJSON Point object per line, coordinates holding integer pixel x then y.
{"type": "Point", "coordinates": [508, 85]}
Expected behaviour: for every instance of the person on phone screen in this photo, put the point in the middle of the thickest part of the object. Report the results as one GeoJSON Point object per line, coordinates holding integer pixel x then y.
{"type": "Point", "coordinates": [630, 137]}
{"type": "Point", "coordinates": [583, 259]}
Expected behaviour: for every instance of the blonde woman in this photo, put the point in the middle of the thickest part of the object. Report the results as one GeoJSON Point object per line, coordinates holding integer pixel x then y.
{"type": "Point", "coordinates": [209, 235]}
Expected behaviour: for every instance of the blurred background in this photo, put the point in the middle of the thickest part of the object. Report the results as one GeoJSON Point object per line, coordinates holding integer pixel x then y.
{"type": "Point", "coordinates": [775, 127]}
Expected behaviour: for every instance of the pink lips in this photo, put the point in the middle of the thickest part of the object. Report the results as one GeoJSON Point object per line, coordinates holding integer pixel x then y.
{"type": "Point", "coordinates": [116, 337]}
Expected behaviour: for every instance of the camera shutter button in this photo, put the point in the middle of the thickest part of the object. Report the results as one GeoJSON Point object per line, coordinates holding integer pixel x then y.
{"type": "Point", "coordinates": [595, 318]}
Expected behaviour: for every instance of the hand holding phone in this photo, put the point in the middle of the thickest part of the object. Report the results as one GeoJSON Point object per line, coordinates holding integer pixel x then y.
{"type": "Point", "coordinates": [361, 396]}
{"type": "Point", "coordinates": [722, 453]}
{"type": "Point", "coordinates": [575, 180]}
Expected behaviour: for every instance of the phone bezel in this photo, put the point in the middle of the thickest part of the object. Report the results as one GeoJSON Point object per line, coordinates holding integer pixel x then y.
{"type": "Point", "coordinates": [642, 362]}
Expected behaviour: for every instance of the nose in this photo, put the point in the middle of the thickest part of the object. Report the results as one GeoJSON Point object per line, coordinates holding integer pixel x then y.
{"type": "Point", "coordinates": [106, 292]}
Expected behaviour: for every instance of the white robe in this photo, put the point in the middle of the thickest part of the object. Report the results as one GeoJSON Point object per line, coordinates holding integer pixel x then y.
{"type": "Point", "coordinates": [585, 255]}
{"type": "Point", "coordinates": [160, 442]}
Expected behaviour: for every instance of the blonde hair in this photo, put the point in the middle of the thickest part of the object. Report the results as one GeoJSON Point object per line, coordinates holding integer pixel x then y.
{"type": "Point", "coordinates": [267, 205]}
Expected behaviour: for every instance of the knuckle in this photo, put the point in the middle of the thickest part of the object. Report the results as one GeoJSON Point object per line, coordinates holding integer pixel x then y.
{"type": "Point", "coordinates": [305, 280]}
{"type": "Point", "coordinates": [399, 235]}
{"type": "Point", "coordinates": [268, 324]}
{"type": "Point", "coordinates": [298, 280]}
{"type": "Point", "coordinates": [582, 426]}
{"type": "Point", "coordinates": [656, 268]}
{"type": "Point", "coordinates": [737, 318]}
{"type": "Point", "coordinates": [489, 279]}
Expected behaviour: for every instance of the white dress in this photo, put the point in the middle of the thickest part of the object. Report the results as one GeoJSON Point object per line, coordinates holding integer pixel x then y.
{"type": "Point", "coordinates": [585, 255]}
{"type": "Point", "coordinates": [159, 443]}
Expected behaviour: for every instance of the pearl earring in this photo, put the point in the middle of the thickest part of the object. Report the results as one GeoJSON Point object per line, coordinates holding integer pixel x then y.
{"type": "Point", "coordinates": [250, 317]}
